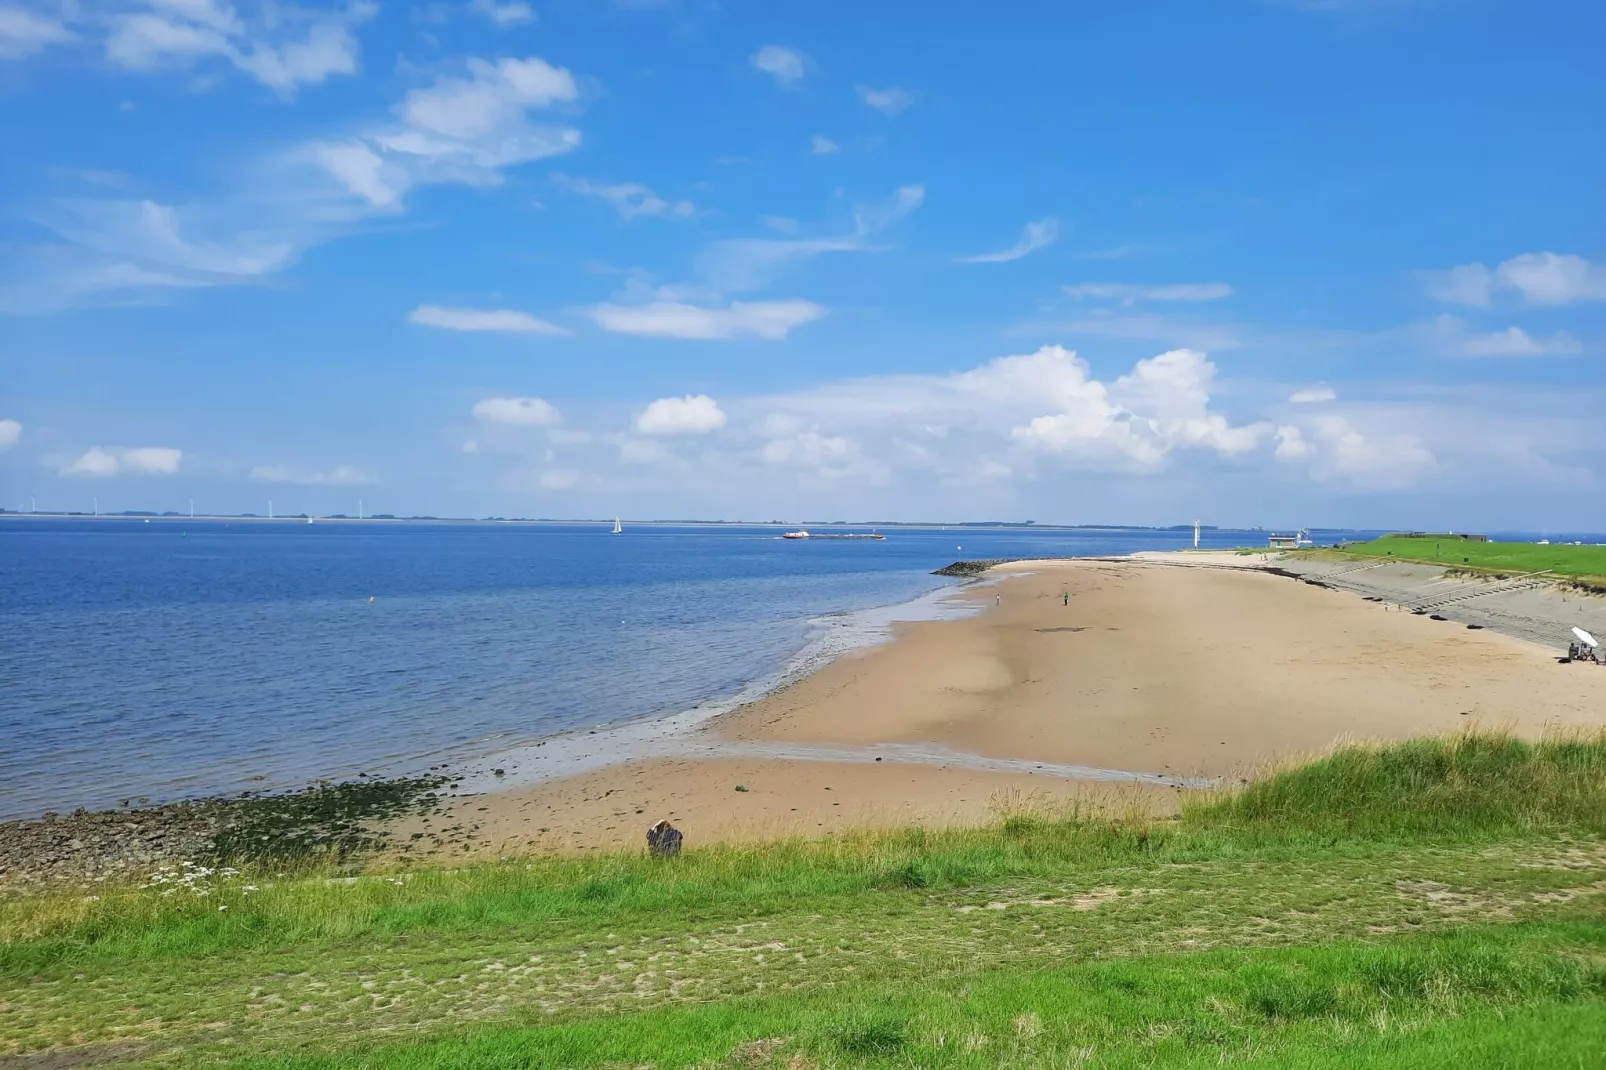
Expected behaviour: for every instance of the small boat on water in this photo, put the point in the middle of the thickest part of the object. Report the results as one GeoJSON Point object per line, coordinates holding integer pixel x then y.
{"type": "Point", "coordinates": [618, 528]}
{"type": "Point", "coordinates": [802, 533]}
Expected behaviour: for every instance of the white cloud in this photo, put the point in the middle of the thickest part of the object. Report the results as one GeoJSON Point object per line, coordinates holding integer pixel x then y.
{"type": "Point", "coordinates": [786, 65]}
{"type": "Point", "coordinates": [823, 146]}
{"type": "Point", "coordinates": [515, 13]}
{"type": "Point", "coordinates": [745, 264]}
{"type": "Point", "coordinates": [1451, 337]}
{"type": "Point", "coordinates": [630, 199]}
{"type": "Point", "coordinates": [781, 223]}
{"type": "Point", "coordinates": [694, 414]}
{"type": "Point", "coordinates": [1033, 237]}
{"type": "Point", "coordinates": [1540, 278]}
{"type": "Point", "coordinates": [1291, 445]}
{"type": "Point", "coordinates": [1551, 279]}
{"type": "Point", "coordinates": [888, 101]}
{"type": "Point", "coordinates": [1313, 395]}
{"type": "Point", "coordinates": [1516, 342]}
{"type": "Point", "coordinates": [520, 412]}
{"type": "Point", "coordinates": [462, 128]}
{"type": "Point", "coordinates": [24, 32]}
{"type": "Point", "coordinates": [1468, 284]}
{"type": "Point", "coordinates": [1168, 330]}
{"type": "Point", "coordinates": [1129, 294]}
{"type": "Point", "coordinates": [10, 432]}
{"type": "Point", "coordinates": [483, 319]}
{"type": "Point", "coordinates": [470, 446]}
{"type": "Point", "coordinates": [1334, 447]}
{"type": "Point", "coordinates": [340, 476]}
{"type": "Point", "coordinates": [1015, 413]}
{"type": "Point", "coordinates": [283, 48]}
{"type": "Point", "coordinates": [125, 460]}
{"type": "Point", "coordinates": [771, 320]}
{"type": "Point", "coordinates": [559, 479]}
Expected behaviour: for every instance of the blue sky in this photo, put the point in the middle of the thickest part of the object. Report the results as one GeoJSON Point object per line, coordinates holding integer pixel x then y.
{"type": "Point", "coordinates": [1336, 262]}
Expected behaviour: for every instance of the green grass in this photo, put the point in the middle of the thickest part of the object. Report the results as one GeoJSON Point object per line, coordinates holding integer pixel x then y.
{"type": "Point", "coordinates": [1339, 1005]}
{"type": "Point", "coordinates": [1448, 889]}
{"type": "Point", "coordinates": [1584, 563]}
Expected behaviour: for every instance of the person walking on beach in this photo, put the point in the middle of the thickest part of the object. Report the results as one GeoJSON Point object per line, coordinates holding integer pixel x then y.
{"type": "Point", "coordinates": [1067, 595]}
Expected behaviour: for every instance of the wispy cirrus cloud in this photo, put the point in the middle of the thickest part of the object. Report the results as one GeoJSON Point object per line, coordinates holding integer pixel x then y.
{"type": "Point", "coordinates": [340, 476]}
{"type": "Point", "coordinates": [1452, 336]}
{"type": "Point", "coordinates": [467, 125]}
{"type": "Point", "coordinates": [483, 319]}
{"type": "Point", "coordinates": [1034, 236]}
{"type": "Point", "coordinates": [631, 200]}
{"type": "Point", "coordinates": [24, 32]}
{"type": "Point", "coordinates": [1130, 294]}
{"type": "Point", "coordinates": [10, 432]}
{"type": "Point", "coordinates": [769, 320]}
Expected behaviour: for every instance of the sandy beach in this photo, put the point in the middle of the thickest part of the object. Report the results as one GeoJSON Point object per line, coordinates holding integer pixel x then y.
{"type": "Point", "coordinates": [1179, 665]}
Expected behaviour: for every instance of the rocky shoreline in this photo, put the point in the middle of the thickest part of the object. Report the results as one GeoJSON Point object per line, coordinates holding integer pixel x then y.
{"type": "Point", "coordinates": [331, 821]}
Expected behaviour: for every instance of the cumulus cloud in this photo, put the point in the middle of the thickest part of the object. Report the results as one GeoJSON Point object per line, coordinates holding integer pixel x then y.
{"type": "Point", "coordinates": [10, 432]}
{"type": "Point", "coordinates": [1033, 237]}
{"type": "Point", "coordinates": [515, 13]}
{"type": "Point", "coordinates": [694, 414]}
{"type": "Point", "coordinates": [340, 476]}
{"type": "Point", "coordinates": [483, 319]}
{"type": "Point", "coordinates": [1313, 395]}
{"type": "Point", "coordinates": [124, 460]}
{"type": "Point", "coordinates": [520, 412]}
{"type": "Point", "coordinates": [786, 65]}
{"type": "Point", "coordinates": [771, 320]}
{"type": "Point", "coordinates": [889, 101]}
{"type": "Point", "coordinates": [630, 199]}
{"type": "Point", "coordinates": [822, 146]}
{"type": "Point", "coordinates": [24, 32]}
{"type": "Point", "coordinates": [1334, 446]}
{"type": "Point", "coordinates": [1016, 413]}
{"type": "Point", "coordinates": [283, 48]}
{"type": "Point", "coordinates": [1540, 278]}
{"type": "Point", "coordinates": [1128, 294]}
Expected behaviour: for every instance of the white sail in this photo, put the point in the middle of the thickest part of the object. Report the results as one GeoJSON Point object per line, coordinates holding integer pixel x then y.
{"type": "Point", "coordinates": [618, 529]}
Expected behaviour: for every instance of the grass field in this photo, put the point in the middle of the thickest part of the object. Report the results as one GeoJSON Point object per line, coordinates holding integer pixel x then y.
{"type": "Point", "coordinates": [1435, 903]}
{"type": "Point", "coordinates": [1573, 562]}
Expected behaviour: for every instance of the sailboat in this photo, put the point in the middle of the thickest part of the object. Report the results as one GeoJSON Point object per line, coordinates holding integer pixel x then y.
{"type": "Point", "coordinates": [618, 529]}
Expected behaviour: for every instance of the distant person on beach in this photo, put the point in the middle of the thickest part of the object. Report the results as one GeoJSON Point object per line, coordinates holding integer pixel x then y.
{"type": "Point", "coordinates": [1067, 595]}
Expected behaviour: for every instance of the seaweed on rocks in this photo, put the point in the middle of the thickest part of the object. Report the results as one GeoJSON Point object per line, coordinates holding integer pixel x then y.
{"type": "Point", "coordinates": [326, 821]}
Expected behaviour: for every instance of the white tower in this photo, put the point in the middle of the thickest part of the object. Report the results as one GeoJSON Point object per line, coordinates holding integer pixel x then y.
{"type": "Point", "coordinates": [1196, 534]}
{"type": "Point", "coordinates": [270, 508]}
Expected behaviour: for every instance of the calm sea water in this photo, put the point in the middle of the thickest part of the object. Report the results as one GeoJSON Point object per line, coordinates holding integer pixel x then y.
{"type": "Point", "coordinates": [179, 658]}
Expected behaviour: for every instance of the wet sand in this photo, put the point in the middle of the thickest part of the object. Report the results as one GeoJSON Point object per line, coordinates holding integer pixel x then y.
{"type": "Point", "coordinates": [1181, 665]}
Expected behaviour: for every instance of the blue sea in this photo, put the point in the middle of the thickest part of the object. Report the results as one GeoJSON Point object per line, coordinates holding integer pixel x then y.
{"type": "Point", "coordinates": [177, 658]}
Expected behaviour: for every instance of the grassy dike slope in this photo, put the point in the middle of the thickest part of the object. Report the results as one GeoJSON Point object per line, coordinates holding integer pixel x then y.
{"type": "Point", "coordinates": [1434, 903]}
{"type": "Point", "coordinates": [1582, 563]}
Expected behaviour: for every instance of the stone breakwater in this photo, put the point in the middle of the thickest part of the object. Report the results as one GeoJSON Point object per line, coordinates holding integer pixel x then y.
{"type": "Point", "coordinates": [328, 821]}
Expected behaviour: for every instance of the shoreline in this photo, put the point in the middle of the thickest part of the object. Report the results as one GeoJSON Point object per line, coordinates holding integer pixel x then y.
{"type": "Point", "coordinates": [1089, 683]}
{"type": "Point", "coordinates": [1064, 692]}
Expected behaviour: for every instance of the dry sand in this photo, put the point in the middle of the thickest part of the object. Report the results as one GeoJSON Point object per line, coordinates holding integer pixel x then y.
{"type": "Point", "coordinates": [1174, 664]}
